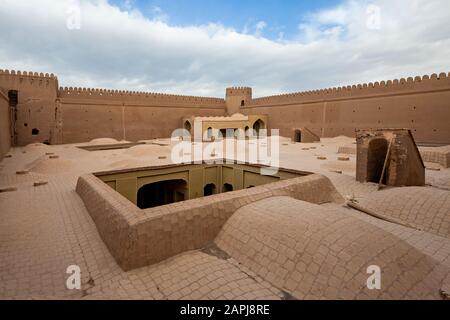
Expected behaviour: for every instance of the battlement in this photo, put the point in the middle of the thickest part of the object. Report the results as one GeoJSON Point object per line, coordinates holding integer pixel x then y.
{"type": "Point", "coordinates": [238, 91]}
{"type": "Point", "coordinates": [397, 86]}
{"type": "Point", "coordinates": [28, 81]}
{"type": "Point", "coordinates": [27, 74]}
{"type": "Point", "coordinates": [137, 96]}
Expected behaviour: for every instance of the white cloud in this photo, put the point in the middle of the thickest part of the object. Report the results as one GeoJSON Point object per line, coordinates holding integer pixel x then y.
{"type": "Point", "coordinates": [159, 14]}
{"type": "Point", "coordinates": [260, 26]}
{"type": "Point", "coordinates": [120, 48]}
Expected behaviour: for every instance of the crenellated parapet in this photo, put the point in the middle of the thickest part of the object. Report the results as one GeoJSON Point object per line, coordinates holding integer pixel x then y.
{"type": "Point", "coordinates": [239, 91]}
{"type": "Point", "coordinates": [384, 88]}
{"type": "Point", "coordinates": [136, 96]}
{"type": "Point", "coordinates": [28, 81]}
{"type": "Point", "coordinates": [27, 74]}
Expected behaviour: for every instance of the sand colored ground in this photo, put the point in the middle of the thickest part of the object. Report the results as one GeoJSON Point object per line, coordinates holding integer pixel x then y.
{"type": "Point", "coordinates": [150, 150]}
{"type": "Point", "coordinates": [45, 229]}
{"type": "Point", "coordinates": [53, 166]}
{"type": "Point", "coordinates": [102, 141]}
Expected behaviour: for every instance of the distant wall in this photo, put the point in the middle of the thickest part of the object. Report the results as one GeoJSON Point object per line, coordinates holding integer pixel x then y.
{"type": "Point", "coordinates": [69, 115]}
{"type": "Point", "coordinates": [5, 136]}
{"type": "Point", "coordinates": [421, 104]}
{"type": "Point", "coordinates": [85, 114]}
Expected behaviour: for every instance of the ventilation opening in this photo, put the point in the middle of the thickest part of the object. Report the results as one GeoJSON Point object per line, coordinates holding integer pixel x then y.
{"type": "Point", "coordinates": [161, 193]}
{"type": "Point", "coordinates": [209, 189]}
{"type": "Point", "coordinates": [34, 132]}
{"type": "Point", "coordinates": [227, 187]}
{"type": "Point", "coordinates": [376, 155]}
{"type": "Point", "coordinates": [13, 98]}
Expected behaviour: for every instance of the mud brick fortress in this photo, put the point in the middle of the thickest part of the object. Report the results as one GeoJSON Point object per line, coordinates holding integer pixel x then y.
{"type": "Point", "coordinates": [88, 178]}
{"type": "Point", "coordinates": [41, 111]}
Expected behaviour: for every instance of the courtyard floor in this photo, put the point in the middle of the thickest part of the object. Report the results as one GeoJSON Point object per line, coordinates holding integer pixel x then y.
{"type": "Point", "coordinates": [46, 228]}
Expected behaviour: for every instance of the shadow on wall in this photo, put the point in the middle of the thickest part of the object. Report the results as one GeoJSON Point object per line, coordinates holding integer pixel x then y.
{"type": "Point", "coordinates": [5, 125]}
{"type": "Point", "coordinates": [160, 193]}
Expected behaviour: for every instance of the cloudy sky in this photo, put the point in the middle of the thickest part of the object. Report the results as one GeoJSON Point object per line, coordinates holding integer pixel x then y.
{"type": "Point", "coordinates": [200, 47]}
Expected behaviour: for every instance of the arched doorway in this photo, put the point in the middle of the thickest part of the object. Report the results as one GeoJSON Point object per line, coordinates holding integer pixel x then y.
{"type": "Point", "coordinates": [376, 154]}
{"type": "Point", "coordinates": [298, 136]}
{"type": "Point", "coordinates": [258, 125]}
{"type": "Point", "coordinates": [160, 193]}
{"type": "Point", "coordinates": [227, 187]}
{"type": "Point", "coordinates": [209, 189]}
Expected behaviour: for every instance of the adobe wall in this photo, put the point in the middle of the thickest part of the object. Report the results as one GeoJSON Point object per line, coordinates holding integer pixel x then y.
{"type": "Point", "coordinates": [85, 114]}
{"type": "Point", "coordinates": [69, 115]}
{"type": "Point", "coordinates": [421, 104]}
{"type": "Point", "coordinates": [36, 104]}
{"type": "Point", "coordinates": [5, 137]}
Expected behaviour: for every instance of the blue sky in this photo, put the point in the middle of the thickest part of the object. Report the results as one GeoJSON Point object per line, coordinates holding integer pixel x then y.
{"type": "Point", "coordinates": [282, 17]}
{"type": "Point", "coordinates": [200, 47]}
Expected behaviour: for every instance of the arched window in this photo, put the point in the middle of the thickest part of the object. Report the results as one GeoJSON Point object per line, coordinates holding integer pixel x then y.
{"type": "Point", "coordinates": [227, 187]}
{"type": "Point", "coordinates": [209, 189]}
{"type": "Point", "coordinates": [242, 103]}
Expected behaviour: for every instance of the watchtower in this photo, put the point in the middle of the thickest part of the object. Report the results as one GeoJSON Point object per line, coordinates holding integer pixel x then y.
{"type": "Point", "coordinates": [237, 98]}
